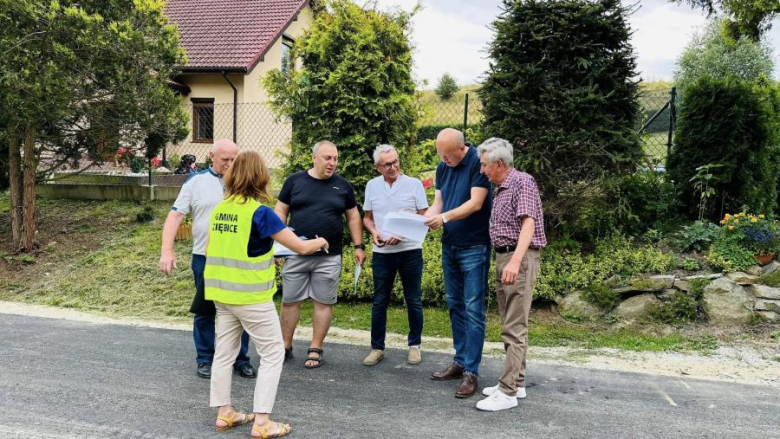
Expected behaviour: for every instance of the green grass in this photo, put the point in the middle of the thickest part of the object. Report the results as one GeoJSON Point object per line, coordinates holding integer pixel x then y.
{"type": "Point", "coordinates": [99, 259]}
{"type": "Point", "coordinates": [771, 280]}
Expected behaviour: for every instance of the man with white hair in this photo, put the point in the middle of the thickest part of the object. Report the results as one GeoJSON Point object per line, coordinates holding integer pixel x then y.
{"type": "Point", "coordinates": [316, 201]}
{"type": "Point", "coordinates": [199, 195]}
{"type": "Point", "coordinates": [517, 235]}
{"type": "Point", "coordinates": [393, 191]}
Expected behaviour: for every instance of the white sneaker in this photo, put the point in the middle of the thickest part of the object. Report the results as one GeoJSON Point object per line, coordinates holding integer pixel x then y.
{"type": "Point", "coordinates": [497, 401]}
{"type": "Point", "coordinates": [487, 391]}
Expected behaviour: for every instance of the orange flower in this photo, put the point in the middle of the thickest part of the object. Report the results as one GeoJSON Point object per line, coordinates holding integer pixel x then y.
{"type": "Point", "coordinates": [731, 227]}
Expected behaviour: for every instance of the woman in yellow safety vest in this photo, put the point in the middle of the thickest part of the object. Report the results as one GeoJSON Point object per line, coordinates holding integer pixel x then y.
{"type": "Point", "coordinates": [239, 278]}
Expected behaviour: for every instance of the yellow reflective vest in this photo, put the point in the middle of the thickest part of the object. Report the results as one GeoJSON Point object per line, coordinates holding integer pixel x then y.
{"type": "Point", "coordinates": [231, 276]}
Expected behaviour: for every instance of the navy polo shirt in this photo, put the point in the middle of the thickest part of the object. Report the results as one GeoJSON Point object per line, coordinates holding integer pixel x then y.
{"type": "Point", "coordinates": [455, 184]}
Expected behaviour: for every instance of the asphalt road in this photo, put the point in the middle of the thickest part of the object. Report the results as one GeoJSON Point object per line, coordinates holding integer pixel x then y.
{"type": "Point", "coordinates": [67, 379]}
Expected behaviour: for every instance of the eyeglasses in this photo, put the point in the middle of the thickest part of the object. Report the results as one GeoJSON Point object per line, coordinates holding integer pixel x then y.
{"type": "Point", "coordinates": [392, 164]}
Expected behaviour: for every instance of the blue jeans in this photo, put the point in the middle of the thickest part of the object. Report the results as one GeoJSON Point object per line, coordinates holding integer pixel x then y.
{"type": "Point", "coordinates": [409, 265]}
{"type": "Point", "coordinates": [203, 324]}
{"type": "Point", "coordinates": [465, 282]}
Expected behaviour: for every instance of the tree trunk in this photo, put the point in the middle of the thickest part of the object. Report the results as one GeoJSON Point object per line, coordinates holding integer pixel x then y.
{"type": "Point", "coordinates": [15, 184]}
{"type": "Point", "coordinates": [30, 164]}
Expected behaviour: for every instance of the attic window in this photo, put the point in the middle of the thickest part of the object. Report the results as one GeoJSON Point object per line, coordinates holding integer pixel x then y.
{"type": "Point", "coordinates": [287, 60]}
{"type": "Point", "coordinates": [203, 120]}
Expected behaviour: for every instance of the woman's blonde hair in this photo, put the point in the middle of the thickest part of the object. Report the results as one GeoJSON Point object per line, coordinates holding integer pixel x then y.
{"type": "Point", "coordinates": [247, 178]}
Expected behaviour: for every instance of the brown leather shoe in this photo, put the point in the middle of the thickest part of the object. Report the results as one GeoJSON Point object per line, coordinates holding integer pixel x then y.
{"type": "Point", "coordinates": [452, 372]}
{"type": "Point", "coordinates": [467, 387]}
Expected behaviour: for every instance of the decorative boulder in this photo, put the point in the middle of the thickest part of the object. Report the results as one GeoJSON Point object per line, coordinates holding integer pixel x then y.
{"type": "Point", "coordinates": [661, 282]}
{"type": "Point", "coordinates": [574, 305]}
{"type": "Point", "coordinates": [637, 307]}
{"type": "Point", "coordinates": [755, 270]}
{"type": "Point", "coordinates": [770, 267]}
{"type": "Point", "coordinates": [683, 285]}
{"type": "Point", "coordinates": [765, 292]}
{"type": "Point", "coordinates": [742, 278]}
{"type": "Point", "coordinates": [726, 302]}
{"type": "Point", "coordinates": [768, 305]}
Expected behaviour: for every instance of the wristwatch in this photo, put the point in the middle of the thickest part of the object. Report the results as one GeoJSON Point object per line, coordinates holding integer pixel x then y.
{"type": "Point", "coordinates": [359, 247]}
{"type": "Point", "coordinates": [443, 219]}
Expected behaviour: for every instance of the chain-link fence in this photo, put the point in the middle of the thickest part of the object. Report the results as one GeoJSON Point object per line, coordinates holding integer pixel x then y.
{"type": "Point", "coordinates": [656, 123]}
{"type": "Point", "coordinates": [460, 111]}
{"type": "Point", "coordinates": [255, 128]}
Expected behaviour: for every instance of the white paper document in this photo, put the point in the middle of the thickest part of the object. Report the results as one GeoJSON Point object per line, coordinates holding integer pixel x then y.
{"type": "Point", "coordinates": [281, 251]}
{"type": "Point", "coordinates": [409, 226]}
{"type": "Point", "coordinates": [358, 268]}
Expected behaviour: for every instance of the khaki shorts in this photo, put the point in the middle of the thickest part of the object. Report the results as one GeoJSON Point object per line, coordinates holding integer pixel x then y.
{"type": "Point", "coordinates": [315, 277]}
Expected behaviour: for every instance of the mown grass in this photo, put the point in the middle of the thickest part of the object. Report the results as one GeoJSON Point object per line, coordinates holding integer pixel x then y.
{"type": "Point", "coordinates": [118, 276]}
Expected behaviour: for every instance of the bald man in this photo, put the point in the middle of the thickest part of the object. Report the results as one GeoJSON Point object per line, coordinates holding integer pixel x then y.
{"type": "Point", "coordinates": [198, 197]}
{"type": "Point", "coordinates": [462, 208]}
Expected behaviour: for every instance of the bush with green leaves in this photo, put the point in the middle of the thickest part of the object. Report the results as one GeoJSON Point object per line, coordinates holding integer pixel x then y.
{"type": "Point", "coordinates": [356, 89]}
{"type": "Point", "coordinates": [715, 54]}
{"type": "Point", "coordinates": [682, 306]}
{"type": "Point", "coordinates": [561, 85]}
{"type": "Point", "coordinates": [728, 254]}
{"type": "Point", "coordinates": [733, 123]}
{"type": "Point", "coordinates": [698, 236]}
{"type": "Point", "coordinates": [447, 87]}
{"type": "Point", "coordinates": [601, 295]}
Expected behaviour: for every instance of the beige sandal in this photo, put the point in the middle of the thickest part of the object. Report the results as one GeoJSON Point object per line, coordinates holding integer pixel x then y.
{"type": "Point", "coordinates": [232, 422]}
{"type": "Point", "coordinates": [283, 430]}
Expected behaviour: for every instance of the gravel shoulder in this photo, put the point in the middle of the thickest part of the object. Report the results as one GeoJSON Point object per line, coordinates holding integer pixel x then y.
{"type": "Point", "coordinates": [748, 363]}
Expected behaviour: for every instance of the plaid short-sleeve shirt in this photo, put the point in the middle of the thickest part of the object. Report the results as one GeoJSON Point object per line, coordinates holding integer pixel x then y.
{"type": "Point", "coordinates": [516, 198]}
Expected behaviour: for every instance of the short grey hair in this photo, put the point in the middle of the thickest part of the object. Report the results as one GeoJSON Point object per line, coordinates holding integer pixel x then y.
{"type": "Point", "coordinates": [497, 149]}
{"type": "Point", "coordinates": [316, 148]}
{"type": "Point", "coordinates": [383, 149]}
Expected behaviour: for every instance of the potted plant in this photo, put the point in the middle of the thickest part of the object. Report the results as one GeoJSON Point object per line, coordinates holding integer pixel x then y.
{"type": "Point", "coordinates": [185, 229]}
{"type": "Point", "coordinates": [756, 233]}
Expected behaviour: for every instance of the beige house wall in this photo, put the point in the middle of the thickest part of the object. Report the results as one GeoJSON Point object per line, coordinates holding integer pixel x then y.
{"type": "Point", "coordinates": [257, 128]}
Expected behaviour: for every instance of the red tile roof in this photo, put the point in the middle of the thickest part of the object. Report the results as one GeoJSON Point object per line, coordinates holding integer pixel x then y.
{"type": "Point", "coordinates": [229, 34]}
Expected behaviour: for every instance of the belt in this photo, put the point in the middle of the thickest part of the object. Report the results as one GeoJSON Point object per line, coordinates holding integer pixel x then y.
{"type": "Point", "coordinates": [510, 248]}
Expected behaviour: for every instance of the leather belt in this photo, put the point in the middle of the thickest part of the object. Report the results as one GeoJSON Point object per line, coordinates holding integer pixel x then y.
{"type": "Point", "coordinates": [510, 248]}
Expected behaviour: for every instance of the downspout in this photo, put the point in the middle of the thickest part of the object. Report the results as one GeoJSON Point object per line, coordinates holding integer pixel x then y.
{"type": "Point", "coordinates": [235, 104]}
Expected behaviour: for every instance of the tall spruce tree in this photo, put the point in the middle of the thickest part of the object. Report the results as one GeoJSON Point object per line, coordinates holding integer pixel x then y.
{"type": "Point", "coordinates": [561, 86]}
{"type": "Point", "coordinates": [355, 89]}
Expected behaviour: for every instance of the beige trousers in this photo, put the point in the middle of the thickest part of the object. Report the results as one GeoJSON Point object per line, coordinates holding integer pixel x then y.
{"type": "Point", "coordinates": [514, 305]}
{"type": "Point", "coordinates": [261, 322]}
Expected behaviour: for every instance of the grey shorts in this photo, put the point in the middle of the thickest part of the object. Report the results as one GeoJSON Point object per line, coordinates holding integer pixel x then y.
{"type": "Point", "coordinates": [315, 277]}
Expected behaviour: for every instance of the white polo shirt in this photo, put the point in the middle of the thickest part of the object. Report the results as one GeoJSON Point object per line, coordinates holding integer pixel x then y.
{"type": "Point", "coordinates": [199, 195]}
{"type": "Point", "coordinates": [407, 194]}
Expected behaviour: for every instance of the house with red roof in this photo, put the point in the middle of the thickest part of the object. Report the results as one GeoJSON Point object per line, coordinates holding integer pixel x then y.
{"type": "Point", "coordinates": [230, 46]}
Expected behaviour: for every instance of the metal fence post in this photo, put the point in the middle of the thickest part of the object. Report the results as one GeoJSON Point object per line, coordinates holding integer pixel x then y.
{"type": "Point", "coordinates": [466, 113]}
{"type": "Point", "coordinates": [672, 122]}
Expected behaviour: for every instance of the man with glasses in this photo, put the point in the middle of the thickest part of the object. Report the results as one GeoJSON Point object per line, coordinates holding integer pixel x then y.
{"type": "Point", "coordinates": [394, 192]}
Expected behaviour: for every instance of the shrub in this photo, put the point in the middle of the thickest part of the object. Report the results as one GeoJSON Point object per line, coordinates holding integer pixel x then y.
{"type": "Point", "coordinates": [146, 215]}
{"type": "Point", "coordinates": [681, 306]}
{"type": "Point", "coordinates": [727, 254]}
{"type": "Point", "coordinates": [561, 80]}
{"type": "Point", "coordinates": [732, 123]}
{"type": "Point", "coordinates": [601, 295]}
{"type": "Point", "coordinates": [698, 236]}
{"type": "Point", "coordinates": [447, 87]}
{"type": "Point", "coordinates": [755, 233]}
{"type": "Point", "coordinates": [356, 90]}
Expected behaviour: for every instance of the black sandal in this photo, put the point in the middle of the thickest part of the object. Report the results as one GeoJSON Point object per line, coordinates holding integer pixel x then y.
{"type": "Point", "coordinates": [318, 359]}
{"type": "Point", "coordinates": [288, 355]}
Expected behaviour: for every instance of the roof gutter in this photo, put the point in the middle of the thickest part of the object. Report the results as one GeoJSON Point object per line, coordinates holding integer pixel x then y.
{"type": "Point", "coordinates": [235, 103]}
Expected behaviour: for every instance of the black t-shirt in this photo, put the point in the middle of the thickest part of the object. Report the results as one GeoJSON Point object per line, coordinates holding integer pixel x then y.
{"type": "Point", "coordinates": [318, 206]}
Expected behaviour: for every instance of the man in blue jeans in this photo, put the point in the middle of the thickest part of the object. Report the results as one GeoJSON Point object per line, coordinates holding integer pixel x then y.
{"type": "Point", "coordinates": [393, 191]}
{"type": "Point", "coordinates": [462, 207]}
{"type": "Point", "coordinates": [198, 197]}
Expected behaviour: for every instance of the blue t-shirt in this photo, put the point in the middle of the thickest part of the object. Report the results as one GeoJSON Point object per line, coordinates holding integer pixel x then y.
{"type": "Point", "coordinates": [264, 224]}
{"type": "Point", "coordinates": [455, 184]}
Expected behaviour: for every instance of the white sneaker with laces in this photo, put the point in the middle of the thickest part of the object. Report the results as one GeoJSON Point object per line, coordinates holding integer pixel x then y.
{"type": "Point", "coordinates": [487, 391]}
{"type": "Point", "coordinates": [497, 401]}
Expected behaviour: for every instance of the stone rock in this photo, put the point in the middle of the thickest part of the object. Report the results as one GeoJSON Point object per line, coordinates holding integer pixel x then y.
{"type": "Point", "coordinates": [742, 278]}
{"type": "Point", "coordinates": [163, 170]}
{"type": "Point", "coordinates": [765, 292]}
{"type": "Point", "coordinates": [574, 305]}
{"type": "Point", "coordinates": [768, 305]}
{"type": "Point", "coordinates": [668, 293]}
{"type": "Point", "coordinates": [636, 307]}
{"type": "Point", "coordinates": [661, 282]}
{"type": "Point", "coordinates": [613, 282]}
{"type": "Point", "coordinates": [770, 267]}
{"type": "Point", "coordinates": [769, 315]}
{"type": "Point", "coordinates": [626, 290]}
{"type": "Point", "coordinates": [726, 302]}
{"type": "Point", "coordinates": [704, 276]}
{"type": "Point", "coordinates": [683, 285]}
{"type": "Point", "coordinates": [755, 270]}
